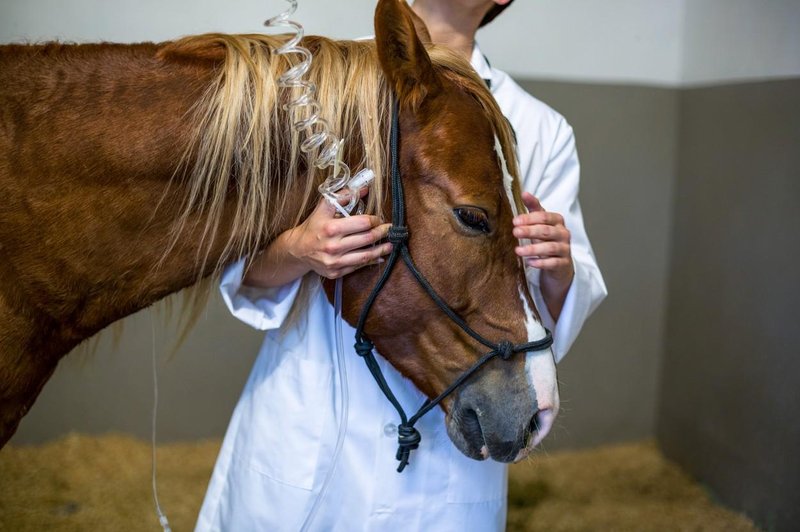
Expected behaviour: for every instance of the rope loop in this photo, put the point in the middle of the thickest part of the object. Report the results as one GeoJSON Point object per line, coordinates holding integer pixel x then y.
{"type": "Point", "coordinates": [505, 349]}
{"type": "Point", "coordinates": [364, 347]}
{"type": "Point", "coordinates": [398, 234]}
{"type": "Point", "coordinates": [408, 438]}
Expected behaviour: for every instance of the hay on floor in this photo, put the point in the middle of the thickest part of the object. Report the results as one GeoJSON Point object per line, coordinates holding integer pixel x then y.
{"type": "Point", "coordinates": [622, 488]}
{"type": "Point", "coordinates": [103, 483]}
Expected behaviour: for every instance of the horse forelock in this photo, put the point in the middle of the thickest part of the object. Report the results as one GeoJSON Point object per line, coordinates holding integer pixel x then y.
{"type": "Point", "coordinates": [458, 71]}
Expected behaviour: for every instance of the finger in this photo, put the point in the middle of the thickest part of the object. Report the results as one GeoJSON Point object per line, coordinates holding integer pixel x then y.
{"type": "Point", "coordinates": [542, 232]}
{"type": "Point", "coordinates": [539, 217]}
{"type": "Point", "coordinates": [346, 226]}
{"type": "Point", "coordinates": [326, 206]}
{"type": "Point", "coordinates": [531, 202]}
{"type": "Point", "coordinates": [364, 257]}
{"type": "Point", "coordinates": [364, 238]}
{"type": "Point", "coordinates": [343, 196]}
{"type": "Point", "coordinates": [324, 209]}
{"type": "Point", "coordinates": [543, 250]}
{"type": "Point", "coordinates": [350, 269]}
{"type": "Point", "coordinates": [549, 263]}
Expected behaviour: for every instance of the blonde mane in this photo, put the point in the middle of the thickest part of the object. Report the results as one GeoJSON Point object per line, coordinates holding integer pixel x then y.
{"type": "Point", "coordinates": [245, 152]}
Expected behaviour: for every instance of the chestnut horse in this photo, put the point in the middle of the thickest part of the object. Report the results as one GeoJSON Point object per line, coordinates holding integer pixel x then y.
{"type": "Point", "coordinates": [128, 172]}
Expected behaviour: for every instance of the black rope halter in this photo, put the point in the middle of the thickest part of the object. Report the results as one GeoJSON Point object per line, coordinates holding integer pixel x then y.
{"type": "Point", "coordinates": [408, 437]}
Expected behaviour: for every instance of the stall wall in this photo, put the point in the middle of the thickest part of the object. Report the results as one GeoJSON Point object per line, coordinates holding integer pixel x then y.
{"type": "Point", "coordinates": [627, 142]}
{"type": "Point", "coordinates": [729, 378]}
{"type": "Point", "coordinates": [729, 383]}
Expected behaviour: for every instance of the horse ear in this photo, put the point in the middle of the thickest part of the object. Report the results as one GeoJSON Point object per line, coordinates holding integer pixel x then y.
{"type": "Point", "coordinates": [399, 35]}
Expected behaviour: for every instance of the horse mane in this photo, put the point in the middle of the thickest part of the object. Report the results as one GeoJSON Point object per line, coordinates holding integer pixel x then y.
{"type": "Point", "coordinates": [245, 149]}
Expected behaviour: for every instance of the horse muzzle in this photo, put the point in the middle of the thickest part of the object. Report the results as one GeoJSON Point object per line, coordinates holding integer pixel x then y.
{"type": "Point", "coordinates": [488, 419]}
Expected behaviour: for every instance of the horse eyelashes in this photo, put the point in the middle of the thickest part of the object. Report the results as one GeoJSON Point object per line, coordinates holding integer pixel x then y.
{"type": "Point", "coordinates": [474, 218]}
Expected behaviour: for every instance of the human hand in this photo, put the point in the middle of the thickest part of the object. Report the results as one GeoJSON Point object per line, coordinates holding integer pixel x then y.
{"type": "Point", "coordinates": [334, 247]}
{"type": "Point", "coordinates": [549, 250]}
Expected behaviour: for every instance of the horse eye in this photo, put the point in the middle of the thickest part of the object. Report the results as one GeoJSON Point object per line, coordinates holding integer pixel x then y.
{"type": "Point", "coordinates": [474, 218]}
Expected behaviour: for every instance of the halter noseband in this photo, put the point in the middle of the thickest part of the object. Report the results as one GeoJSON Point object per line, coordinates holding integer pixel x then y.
{"type": "Point", "coordinates": [408, 437]}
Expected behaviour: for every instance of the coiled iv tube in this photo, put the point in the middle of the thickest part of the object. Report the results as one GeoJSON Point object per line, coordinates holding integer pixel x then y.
{"type": "Point", "coordinates": [340, 189]}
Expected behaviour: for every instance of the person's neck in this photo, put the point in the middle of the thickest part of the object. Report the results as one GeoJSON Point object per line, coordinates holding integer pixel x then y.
{"type": "Point", "coordinates": [449, 25]}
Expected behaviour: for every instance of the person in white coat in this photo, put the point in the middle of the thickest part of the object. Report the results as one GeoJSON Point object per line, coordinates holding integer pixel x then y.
{"type": "Point", "coordinates": [311, 443]}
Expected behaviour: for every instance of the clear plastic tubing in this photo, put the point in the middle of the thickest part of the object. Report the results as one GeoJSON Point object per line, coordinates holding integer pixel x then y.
{"type": "Point", "coordinates": [340, 189]}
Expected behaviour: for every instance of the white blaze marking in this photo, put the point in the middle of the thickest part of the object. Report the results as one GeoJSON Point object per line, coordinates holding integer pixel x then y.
{"type": "Point", "coordinates": [508, 179]}
{"type": "Point", "coordinates": [540, 366]}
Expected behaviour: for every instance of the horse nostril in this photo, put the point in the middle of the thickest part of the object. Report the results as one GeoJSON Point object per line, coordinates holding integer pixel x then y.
{"type": "Point", "coordinates": [540, 425]}
{"type": "Point", "coordinates": [533, 426]}
{"type": "Point", "coordinates": [471, 425]}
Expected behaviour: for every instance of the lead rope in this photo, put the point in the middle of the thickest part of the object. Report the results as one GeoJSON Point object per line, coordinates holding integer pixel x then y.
{"type": "Point", "coordinates": [408, 437]}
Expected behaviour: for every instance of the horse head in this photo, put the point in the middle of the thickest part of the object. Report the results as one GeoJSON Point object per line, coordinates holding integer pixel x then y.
{"type": "Point", "coordinates": [457, 164]}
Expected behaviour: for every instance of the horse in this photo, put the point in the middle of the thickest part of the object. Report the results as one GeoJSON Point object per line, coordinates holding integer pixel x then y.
{"type": "Point", "coordinates": [130, 172]}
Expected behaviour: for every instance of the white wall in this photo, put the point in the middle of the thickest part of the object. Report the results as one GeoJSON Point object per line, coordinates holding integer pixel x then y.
{"type": "Point", "coordinates": [614, 40]}
{"type": "Point", "coordinates": [651, 42]}
{"type": "Point", "coordinates": [158, 20]}
{"type": "Point", "coordinates": [736, 40]}
{"type": "Point", "coordinates": [633, 41]}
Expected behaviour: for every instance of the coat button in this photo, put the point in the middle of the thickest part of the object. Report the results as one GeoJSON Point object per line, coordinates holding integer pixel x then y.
{"type": "Point", "coordinates": [390, 429]}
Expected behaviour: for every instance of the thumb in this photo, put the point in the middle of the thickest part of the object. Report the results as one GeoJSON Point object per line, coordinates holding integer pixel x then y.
{"type": "Point", "coordinates": [324, 209]}
{"type": "Point", "coordinates": [531, 202]}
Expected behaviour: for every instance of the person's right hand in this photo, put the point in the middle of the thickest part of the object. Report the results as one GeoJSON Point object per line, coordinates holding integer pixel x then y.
{"type": "Point", "coordinates": [334, 247]}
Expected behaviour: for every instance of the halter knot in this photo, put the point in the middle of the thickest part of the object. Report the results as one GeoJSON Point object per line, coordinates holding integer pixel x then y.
{"type": "Point", "coordinates": [364, 347]}
{"type": "Point", "coordinates": [505, 349]}
{"type": "Point", "coordinates": [408, 439]}
{"type": "Point", "coordinates": [398, 234]}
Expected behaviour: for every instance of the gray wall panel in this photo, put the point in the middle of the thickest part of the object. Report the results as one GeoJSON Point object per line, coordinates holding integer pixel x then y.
{"type": "Point", "coordinates": [626, 140]}
{"type": "Point", "coordinates": [107, 386]}
{"type": "Point", "coordinates": [731, 375]}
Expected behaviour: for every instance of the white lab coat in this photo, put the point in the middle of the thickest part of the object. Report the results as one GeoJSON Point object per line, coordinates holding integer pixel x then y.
{"type": "Point", "coordinates": [279, 446]}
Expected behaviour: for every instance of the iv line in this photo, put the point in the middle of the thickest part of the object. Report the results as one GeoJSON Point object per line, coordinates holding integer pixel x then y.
{"type": "Point", "coordinates": [344, 406]}
{"type": "Point", "coordinates": [340, 189]}
{"type": "Point", "coordinates": [162, 518]}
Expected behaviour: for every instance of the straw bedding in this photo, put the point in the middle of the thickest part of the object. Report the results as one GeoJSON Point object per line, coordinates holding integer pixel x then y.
{"type": "Point", "coordinates": [103, 483]}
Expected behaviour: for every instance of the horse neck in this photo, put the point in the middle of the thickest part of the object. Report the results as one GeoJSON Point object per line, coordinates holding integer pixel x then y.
{"type": "Point", "coordinates": [90, 138]}
{"type": "Point", "coordinates": [89, 142]}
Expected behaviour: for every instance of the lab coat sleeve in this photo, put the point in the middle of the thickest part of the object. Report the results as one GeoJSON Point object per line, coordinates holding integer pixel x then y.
{"type": "Point", "coordinates": [558, 192]}
{"type": "Point", "coordinates": [261, 308]}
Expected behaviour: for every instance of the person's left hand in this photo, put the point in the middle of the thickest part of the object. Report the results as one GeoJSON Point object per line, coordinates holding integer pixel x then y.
{"type": "Point", "coordinates": [549, 250]}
